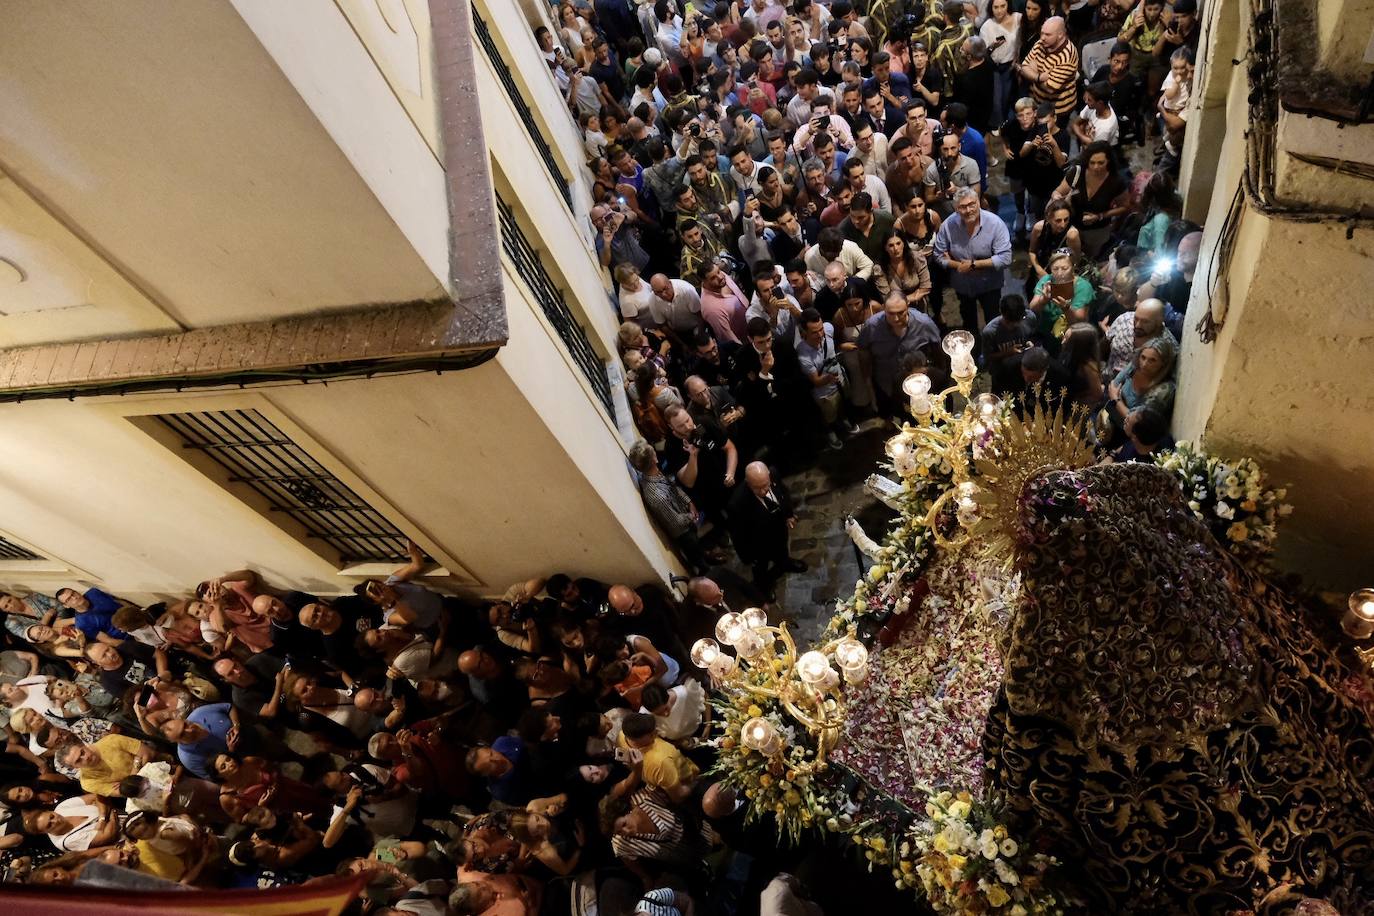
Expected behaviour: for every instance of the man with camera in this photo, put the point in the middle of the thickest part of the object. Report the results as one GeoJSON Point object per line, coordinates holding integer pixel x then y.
{"type": "Point", "coordinates": [949, 174]}
{"type": "Point", "coordinates": [703, 459]}
{"type": "Point", "coordinates": [820, 363]}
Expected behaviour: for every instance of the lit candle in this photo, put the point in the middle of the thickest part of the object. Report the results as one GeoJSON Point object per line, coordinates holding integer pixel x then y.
{"type": "Point", "coordinates": [755, 617]}
{"type": "Point", "coordinates": [1358, 621]}
{"type": "Point", "coordinates": [959, 346]}
{"type": "Point", "coordinates": [917, 388]}
{"type": "Point", "coordinates": [903, 456]}
{"type": "Point", "coordinates": [704, 652]}
{"type": "Point", "coordinates": [723, 666]}
{"type": "Point", "coordinates": [750, 645]}
{"type": "Point", "coordinates": [730, 627]}
{"type": "Point", "coordinates": [988, 407]}
{"type": "Point", "coordinates": [852, 658]}
{"type": "Point", "coordinates": [813, 667]}
{"type": "Point", "coordinates": [757, 734]}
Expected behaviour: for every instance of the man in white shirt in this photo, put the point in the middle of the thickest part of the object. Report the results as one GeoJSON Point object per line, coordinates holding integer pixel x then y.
{"type": "Point", "coordinates": [831, 245]}
{"type": "Point", "coordinates": [870, 148]}
{"type": "Point", "coordinates": [799, 108]}
{"type": "Point", "coordinates": [744, 171]}
{"type": "Point", "coordinates": [859, 181]}
{"type": "Point", "coordinates": [676, 305]}
{"type": "Point", "coordinates": [1097, 121]}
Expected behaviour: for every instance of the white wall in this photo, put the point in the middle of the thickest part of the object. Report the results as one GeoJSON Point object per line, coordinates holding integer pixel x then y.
{"type": "Point", "coordinates": [1289, 380]}
{"type": "Point", "coordinates": [170, 140]}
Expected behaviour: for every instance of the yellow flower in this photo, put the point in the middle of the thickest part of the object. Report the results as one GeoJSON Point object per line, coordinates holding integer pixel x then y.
{"type": "Point", "coordinates": [765, 780]}
{"type": "Point", "coordinates": [1248, 505]}
{"type": "Point", "coordinates": [997, 896]}
{"type": "Point", "coordinates": [1238, 532]}
{"type": "Point", "coordinates": [965, 797]}
{"type": "Point", "coordinates": [879, 844]}
{"type": "Point", "coordinates": [957, 861]}
{"type": "Point", "coordinates": [906, 867]}
{"type": "Point", "coordinates": [960, 809]}
{"type": "Point", "coordinates": [790, 797]}
{"type": "Point", "coordinates": [941, 843]}
{"type": "Point", "coordinates": [754, 711]}
{"type": "Point", "coordinates": [876, 573]}
{"type": "Point", "coordinates": [999, 833]}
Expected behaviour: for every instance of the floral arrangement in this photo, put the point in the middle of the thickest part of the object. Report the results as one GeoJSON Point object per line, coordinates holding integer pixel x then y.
{"type": "Point", "coordinates": [1230, 497]}
{"type": "Point", "coordinates": [792, 786]}
{"type": "Point", "coordinates": [968, 862]}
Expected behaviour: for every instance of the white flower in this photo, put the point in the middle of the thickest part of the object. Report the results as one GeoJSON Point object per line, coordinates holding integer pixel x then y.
{"type": "Point", "coordinates": [1018, 910]}
{"type": "Point", "coordinates": [989, 849]}
{"type": "Point", "coordinates": [1285, 510]}
{"type": "Point", "coordinates": [1009, 847]}
{"type": "Point", "coordinates": [1005, 873]}
{"type": "Point", "coordinates": [1224, 510]}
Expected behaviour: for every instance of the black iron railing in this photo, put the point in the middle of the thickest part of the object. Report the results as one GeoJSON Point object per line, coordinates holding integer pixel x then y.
{"type": "Point", "coordinates": [12, 551]}
{"type": "Point", "coordinates": [522, 107]}
{"type": "Point", "coordinates": [550, 298]}
{"type": "Point", "coordinates": [261, 457]}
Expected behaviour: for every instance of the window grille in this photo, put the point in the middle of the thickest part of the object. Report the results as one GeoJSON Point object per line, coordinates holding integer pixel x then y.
{"type": "Point", "coordinates": [550, 298]}
{"type": "Point", "coordinates": [522, 108]}
{"type": "Point", "coordinates": [260, 456]}
{"type": "Point", "coordinates": [12, 551]}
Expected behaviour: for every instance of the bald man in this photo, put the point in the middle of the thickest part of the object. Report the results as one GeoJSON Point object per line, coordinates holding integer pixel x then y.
{"type": "Point", "coordinates": [761, 518]}
{"type": "Point", "coordinates": [1051, 69]}
{"type": "Point", "coordinates": [645, 611]}
{"type": "Point", "coordinates": [1132, 330]}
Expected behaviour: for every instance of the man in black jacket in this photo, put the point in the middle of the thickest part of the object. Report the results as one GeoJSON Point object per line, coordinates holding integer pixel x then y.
{"type": "Point", "coordinates": [761, 518]}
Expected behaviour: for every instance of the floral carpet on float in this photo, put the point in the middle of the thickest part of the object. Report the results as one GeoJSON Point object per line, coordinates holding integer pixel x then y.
{"type": "Point", "coordinates": [1080, 692]}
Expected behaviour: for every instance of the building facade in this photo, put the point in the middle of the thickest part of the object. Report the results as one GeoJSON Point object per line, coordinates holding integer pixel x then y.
{"type": "Point", "coordinates": [285, 284]}
{"type": "Point", "coordinates": [1279, 167]}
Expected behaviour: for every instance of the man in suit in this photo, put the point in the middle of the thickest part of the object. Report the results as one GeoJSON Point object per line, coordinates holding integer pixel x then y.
{"type": "Point", "coordinates": [762, 517]}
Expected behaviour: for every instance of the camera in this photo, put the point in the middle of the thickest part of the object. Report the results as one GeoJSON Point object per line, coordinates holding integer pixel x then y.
{"type": "Point", "coordinates": [694, 129]}
{"type": "Point", "coordinates": [823, 122]}
{"type": "Point", "coordinates": [521, 612]}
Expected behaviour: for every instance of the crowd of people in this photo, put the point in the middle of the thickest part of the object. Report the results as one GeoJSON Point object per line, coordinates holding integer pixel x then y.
{"type": "Point", "coordinates": [795, 204]}
{"type": "Point", "coordinates": [786, 194]}
{"type": "Point", "coordinates": [536, 754]}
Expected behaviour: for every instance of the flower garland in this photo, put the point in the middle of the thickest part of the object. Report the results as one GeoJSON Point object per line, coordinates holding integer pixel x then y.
{"type": "Point", "coordinates": [908, 546]}
{"type": "Point", "coordinates": [1229, 497]}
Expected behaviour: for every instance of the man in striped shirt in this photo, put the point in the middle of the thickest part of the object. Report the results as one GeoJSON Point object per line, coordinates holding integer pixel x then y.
{"type": "Point", "coordinates": [1051, 68]}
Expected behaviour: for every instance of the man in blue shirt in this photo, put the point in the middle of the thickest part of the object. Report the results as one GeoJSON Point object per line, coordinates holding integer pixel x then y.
{"type": "Point", "coordinates": [209, 730]}
{"type": "Point", "coordinates": [890, 338]}
{"type": "Point", "coordinates": [975, 247]}
{"type": "Point", "coordinates": [95, 612]}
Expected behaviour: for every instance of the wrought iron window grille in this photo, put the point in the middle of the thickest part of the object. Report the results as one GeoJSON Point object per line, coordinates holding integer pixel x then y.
{"type": "Point", "coordinates": [258, 455]}
{"type": "Point", "coordinates": [527, 264]}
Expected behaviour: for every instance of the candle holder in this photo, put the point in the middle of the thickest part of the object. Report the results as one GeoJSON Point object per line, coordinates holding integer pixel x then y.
{"type": "Point", "coordinates": [766, 664]}
{"type": "Point", "coordinates": [1358, 621]}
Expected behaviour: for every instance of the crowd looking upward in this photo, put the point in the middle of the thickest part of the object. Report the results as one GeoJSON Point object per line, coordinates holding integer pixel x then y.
{"type": "Point", "coordinates": [801, 194]}
{"type": "Point", "coordinates": [502, 757]}
{"type": "Point", "coordinates": [793, 204]}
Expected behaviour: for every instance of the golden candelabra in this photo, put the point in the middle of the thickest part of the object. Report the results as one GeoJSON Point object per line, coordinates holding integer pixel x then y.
{"type": "Point", "coordinates": [766, 664]}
